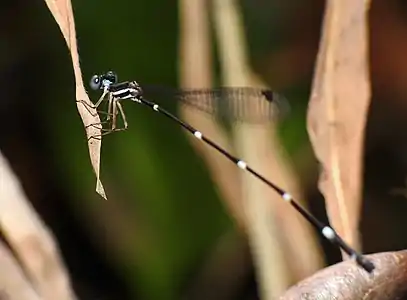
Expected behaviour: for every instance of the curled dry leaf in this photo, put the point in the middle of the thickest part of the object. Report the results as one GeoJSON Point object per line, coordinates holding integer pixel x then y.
{"type": "Point", "coordinates": [63, 14]}
{"type": "Point", "coordinates": [348, 281]}
{"type": "Point", "coordinates": [338, 111]}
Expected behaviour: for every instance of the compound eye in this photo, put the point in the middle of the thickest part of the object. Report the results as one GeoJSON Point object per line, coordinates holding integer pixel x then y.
{"type": "Point", "coordinates": [95, 82]}
{"type": "Point", "coordinates": [111, 76]}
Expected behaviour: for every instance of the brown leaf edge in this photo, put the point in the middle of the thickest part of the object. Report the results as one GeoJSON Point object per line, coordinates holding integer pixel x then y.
{"type": "Point", "coordinates": [63, 14]}
{"type": "Point", "coordinates": [337, 112]}
{"type": "Point", "coordinates": [346, 280]}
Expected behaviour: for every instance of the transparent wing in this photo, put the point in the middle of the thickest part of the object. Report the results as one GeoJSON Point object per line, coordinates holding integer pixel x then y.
{"type": "Point", "coordinates": [235, 104]}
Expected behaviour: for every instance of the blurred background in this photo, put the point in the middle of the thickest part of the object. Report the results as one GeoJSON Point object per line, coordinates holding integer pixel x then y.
{"type": "Point", "coordinates": [167, 230]}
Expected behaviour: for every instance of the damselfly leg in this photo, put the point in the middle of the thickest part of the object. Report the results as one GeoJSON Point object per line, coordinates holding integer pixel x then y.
{"type": "Point", "coordinates": [120, 108]}
{"type": "Point", "coordinates": [113, 109]}
{"type": "Point", "coordinates": [90, 108]}
{"type": "Point", "coordinates": [94, 106]}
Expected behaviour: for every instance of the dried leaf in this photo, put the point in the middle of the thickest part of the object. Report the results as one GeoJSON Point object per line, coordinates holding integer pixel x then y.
{"type": "Point", "coordinates": [347, 280]}
{"type": "Point", "coordinates": [30, 240]}
{"type": "Point", "coordinates": [63, 14]}
{"type": "Point", "coordinates": [338, 112]}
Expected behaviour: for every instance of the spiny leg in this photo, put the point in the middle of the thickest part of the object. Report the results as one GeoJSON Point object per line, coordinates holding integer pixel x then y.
{"type": "Point", "coordinates": [99, 136]}
{"type": "Point", "coordinates": [105, 91]}
{"type": "Point", "coordinates": [88, 107]}
{"type": "Point", "coordinates": [99, 125]}
{"type": "Point", "coordinates": [98, 112]}
{"type": "Point", "coordinates": [119, 106]}
{"type": "Point", "coordinates": [110, 104]}
{"type": "Point", "coordinates": [108, 131]}
{"type": "Point", "coordinates": [96, 125]}
{"type": "Point", "coordinates": [94, 106]}
{"type": "Point", "coordinates": [109, 108]}
{"type": "Point", "coordinates": [114, 107]}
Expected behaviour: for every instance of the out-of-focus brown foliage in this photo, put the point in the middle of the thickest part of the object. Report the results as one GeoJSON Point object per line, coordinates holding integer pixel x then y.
{"type": "Point", "coordinates": [196, 72]}
{"type": "Point", "coordinates": [33, 269]}
{"type": "Point", "coordinates": [338, 110]}
{"type": "Point", "coordinates": [347, 281]}
{"type": "Point", "coordinates": [388, 72]}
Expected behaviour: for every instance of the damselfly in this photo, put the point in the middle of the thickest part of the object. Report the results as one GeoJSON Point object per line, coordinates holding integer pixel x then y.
{"type": "Point", "coordinates": [203, 99]}
{"type": "Point", "coordinates": [251, 105]}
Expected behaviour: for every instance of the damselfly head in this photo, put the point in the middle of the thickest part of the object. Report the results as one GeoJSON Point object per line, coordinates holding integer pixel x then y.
{"type": "Point", "coordinates": [100, 82]}
{"type": "Point", "coordinates": [111, 77]}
